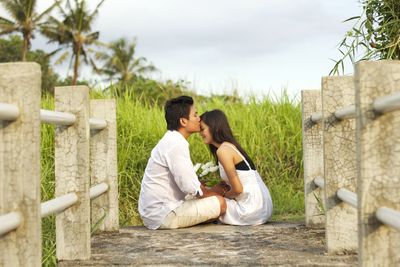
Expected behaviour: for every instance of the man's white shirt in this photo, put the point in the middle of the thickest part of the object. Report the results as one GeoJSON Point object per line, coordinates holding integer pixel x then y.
{"type": "Point", "coordinates": [168, 178]}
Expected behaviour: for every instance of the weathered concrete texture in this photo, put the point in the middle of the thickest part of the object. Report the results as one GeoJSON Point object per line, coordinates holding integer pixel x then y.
{"type": "Point", "coordinates": [20, 163]}
{"type": "Point", "coordinates": [339, 164]}
{"type": "Point", "coordinates": [313, 159]}
{"type": "Point", "coordinates": [72, 173]}
{"type": "Point", "coordinates": [272, 244]}
{"type": "Point", "coordinates": [103, 165]}
{"type": "Point", "coordinates": [378, 156]}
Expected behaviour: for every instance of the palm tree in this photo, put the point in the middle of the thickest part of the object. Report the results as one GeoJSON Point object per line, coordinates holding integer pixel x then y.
{"type": "Point", "coordinates": [73, 31]}
{"type": "Point", "coordinates": [121, 63]}
{"type": "Point", "coordinates": [24, 20]}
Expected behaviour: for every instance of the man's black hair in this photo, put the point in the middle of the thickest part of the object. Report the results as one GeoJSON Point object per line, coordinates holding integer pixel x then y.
{"type": "Point", "coordinates": [175, 109]}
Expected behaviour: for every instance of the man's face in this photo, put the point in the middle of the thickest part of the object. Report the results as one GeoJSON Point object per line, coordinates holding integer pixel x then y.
{"type": "Point", "coordinates": [193, 123]}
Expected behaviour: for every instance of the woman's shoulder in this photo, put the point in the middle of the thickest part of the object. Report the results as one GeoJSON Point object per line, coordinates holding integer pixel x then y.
{"type": "Point", "coordinates": [226, 148]}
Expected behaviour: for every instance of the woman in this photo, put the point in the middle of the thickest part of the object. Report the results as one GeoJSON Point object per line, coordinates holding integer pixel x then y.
{"type": "Point", "coordinates": [248, 199]}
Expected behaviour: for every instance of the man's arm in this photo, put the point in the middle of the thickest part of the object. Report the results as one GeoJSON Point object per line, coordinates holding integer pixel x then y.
{"type": "Point", "coordinates": [181, 168]}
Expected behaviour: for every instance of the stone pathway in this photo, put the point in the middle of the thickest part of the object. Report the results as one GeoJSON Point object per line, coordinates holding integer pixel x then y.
{"type": "Point", "coordinates": [272, 244]}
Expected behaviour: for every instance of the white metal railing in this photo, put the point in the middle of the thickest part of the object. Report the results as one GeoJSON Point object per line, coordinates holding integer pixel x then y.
{"type": "Point", "coordinates": [8, 112]}
{"type": "Point", "coordinates": [58, 204]}
{"type": "Point", "coordinates": [63, 118]}
{"type": "Point", "coordinates": [64, 202]}
{"type": "Point", "coordinates": [389, 216]}
{"type": "Point", "coordinates": [387, 103]}
{"type": "Point", "coordinates": [381, 105]}
{"type": "Point", "coordinates": [319, 182]}
{"type": "Point", "coordinates": [347, 196]}
{"type": "Point", "coordinates": [12, 220]}
{"type": "Point", "coordinates": [348, 112]}
{"type": "Point", "coordinates": [97, 124]}
{"type": "Point", "coordinates": [56, 117]}
{"type": "Point", "coordinates": [316, 117]}
{"type": "Point", "coordinates": [98, 190]}
{"type": "Point", "coordinates": [9, 222]}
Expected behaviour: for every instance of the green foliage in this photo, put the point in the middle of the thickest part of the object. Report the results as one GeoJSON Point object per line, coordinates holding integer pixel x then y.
{"type": "Point", "coordinates": [374, 36]}
{"type": "Point", "coordinates": [10, 49]}
{"type": "Point", "coordinates": [149, 91]}
{"type": "Point", "coordinates": [24, 19]}
{"type": "Point", "coordinates": [10, 52]}
{"type": "Point", "coordinates": [269, 130]}
{"type": "Point", "coordinates": [73, 31]}
{"type": "Point", "coordinates": [120, 63]}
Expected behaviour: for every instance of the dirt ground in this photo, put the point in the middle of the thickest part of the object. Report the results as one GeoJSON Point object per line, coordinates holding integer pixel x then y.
{"type": "Point", "coordinates": [271, 244]}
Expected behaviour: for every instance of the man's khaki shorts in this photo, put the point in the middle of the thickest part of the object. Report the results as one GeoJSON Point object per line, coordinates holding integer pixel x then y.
{"type": "Point", "coordinates": [192, 212]}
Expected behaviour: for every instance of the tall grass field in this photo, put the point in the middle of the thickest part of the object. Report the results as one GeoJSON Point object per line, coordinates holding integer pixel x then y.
{"type": "Point", "coordinates": [268, 129]}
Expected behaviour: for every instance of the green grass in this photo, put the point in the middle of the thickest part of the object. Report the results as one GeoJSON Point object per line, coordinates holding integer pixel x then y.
{"type": "Point", "coordinates": [268, 129]}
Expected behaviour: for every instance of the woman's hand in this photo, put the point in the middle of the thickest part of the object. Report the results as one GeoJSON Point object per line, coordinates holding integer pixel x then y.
{"type": "Point", "coordinates": [221, 188]}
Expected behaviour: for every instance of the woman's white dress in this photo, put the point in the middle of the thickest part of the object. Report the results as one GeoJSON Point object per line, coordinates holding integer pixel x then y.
{"type": "Point", "coordinates": [254, 205]}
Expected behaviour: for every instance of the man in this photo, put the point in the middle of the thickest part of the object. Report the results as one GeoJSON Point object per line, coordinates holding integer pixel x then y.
{"type": "Point", "coordinates": [171, 195]}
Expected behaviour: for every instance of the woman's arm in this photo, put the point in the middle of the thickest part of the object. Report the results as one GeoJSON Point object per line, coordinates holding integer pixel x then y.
{"type": "Point", "coordinates": [225, 156]}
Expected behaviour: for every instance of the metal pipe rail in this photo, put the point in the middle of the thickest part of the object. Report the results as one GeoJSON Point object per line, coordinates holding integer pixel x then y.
{"type": "Point", "coordinates": [64, 202]}
{"type": "Point", "coordinates": [316, 117]}
{"type": "Point", "coordinates": [347, 196]}
{"type": "Point", "coordinates": [58, 204]}
{"type": "Point", "coordinates": [9, 222]}
{"type": "Point", "coordinates": [56, 117]}
{"type": "Point", "coordinates": [97, 124]}
{"type": "Point", "coordinates": [8, 112]}
{"type": "Point", "coordinates": [319, 181]}
{"type": "Point", "coordinates": [389, 217]}
{"type": "Point", "coordinates": [387, 103]}
{"type": "Point", "coordinates": [98, 190]}
{"type": "Point", "coordinates": [63, 118]}
{"type": "Point", "coordinates": [348, 112]}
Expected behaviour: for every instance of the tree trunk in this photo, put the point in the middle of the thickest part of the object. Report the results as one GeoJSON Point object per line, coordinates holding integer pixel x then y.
{"type": "Point", "coordinates": [25, 48]}
{"type": "Point", "coordinates": [76, 65]}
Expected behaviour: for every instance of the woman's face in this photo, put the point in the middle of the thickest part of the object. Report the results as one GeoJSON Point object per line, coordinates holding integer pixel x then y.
{"type": "Point", "coordinates": [205, 133]}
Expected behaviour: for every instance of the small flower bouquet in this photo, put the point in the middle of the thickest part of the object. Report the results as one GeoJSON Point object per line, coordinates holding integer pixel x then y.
{"type": "Point", "coordinates": [212, 181]}
{"type": "Point", "coordinates": [203, 169]}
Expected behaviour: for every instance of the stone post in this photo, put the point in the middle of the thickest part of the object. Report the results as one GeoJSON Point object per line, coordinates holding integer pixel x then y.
{"type": "Point", "coordinates": [20, 164]}
{"type": "Point", "coordinates": [103, 162]}
{"type": "Point", "coordinates": [314, 197]}
{"type": "Point", "coordinates": [72, 173]}
{"type": "Point", "coordinates": [378, 154]}
{"type": "Point", "coordinates": [339, 164]}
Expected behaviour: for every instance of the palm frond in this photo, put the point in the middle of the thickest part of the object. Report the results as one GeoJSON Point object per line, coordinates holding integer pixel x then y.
{"type": "Point", "coordinates": [47, 11]}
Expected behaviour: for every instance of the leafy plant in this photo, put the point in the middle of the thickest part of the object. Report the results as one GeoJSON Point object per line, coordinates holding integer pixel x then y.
{"type": "Point", "coordinates": [24, 19]}
{"type": "Point", "coordinates": [120, 62]}
{"type": "Point", "coordinates": [374, 36]}
{"type": "Point", "coordinates": [73, 31]}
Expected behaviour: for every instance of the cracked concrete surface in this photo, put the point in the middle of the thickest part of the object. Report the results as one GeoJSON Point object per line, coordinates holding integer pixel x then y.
{"type": "Point", "coordinates": [271, 244]}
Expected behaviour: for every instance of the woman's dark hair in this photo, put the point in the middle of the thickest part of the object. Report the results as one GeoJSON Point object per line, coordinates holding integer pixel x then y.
{"type": "Point", "coordinates": [175, 109]}
{"type": "Point", "coordinates": [220, 130]}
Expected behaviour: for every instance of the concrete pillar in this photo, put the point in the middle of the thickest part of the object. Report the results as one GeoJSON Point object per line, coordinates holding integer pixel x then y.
{"type": "Point", "coordinates": [314, 197]}
{"type": "Point", "coordinates": [103, 162]}
{"type": "Point", "coordinates": [339, 164]}
{"type": "Point", "coordinates": [72, 173]}
{"type": "Point", "coordinates": [378, 154]}
{"type": "Point", "coordinates": [20, 164]}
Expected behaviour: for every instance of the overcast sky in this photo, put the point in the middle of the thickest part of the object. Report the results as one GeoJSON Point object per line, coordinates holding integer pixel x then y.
{"type": "Point", "coordinates": [255, 46]}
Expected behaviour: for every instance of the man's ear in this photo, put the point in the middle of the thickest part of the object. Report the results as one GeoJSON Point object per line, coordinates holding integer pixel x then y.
{"type": "Point", "coordinates": [183, 122]}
